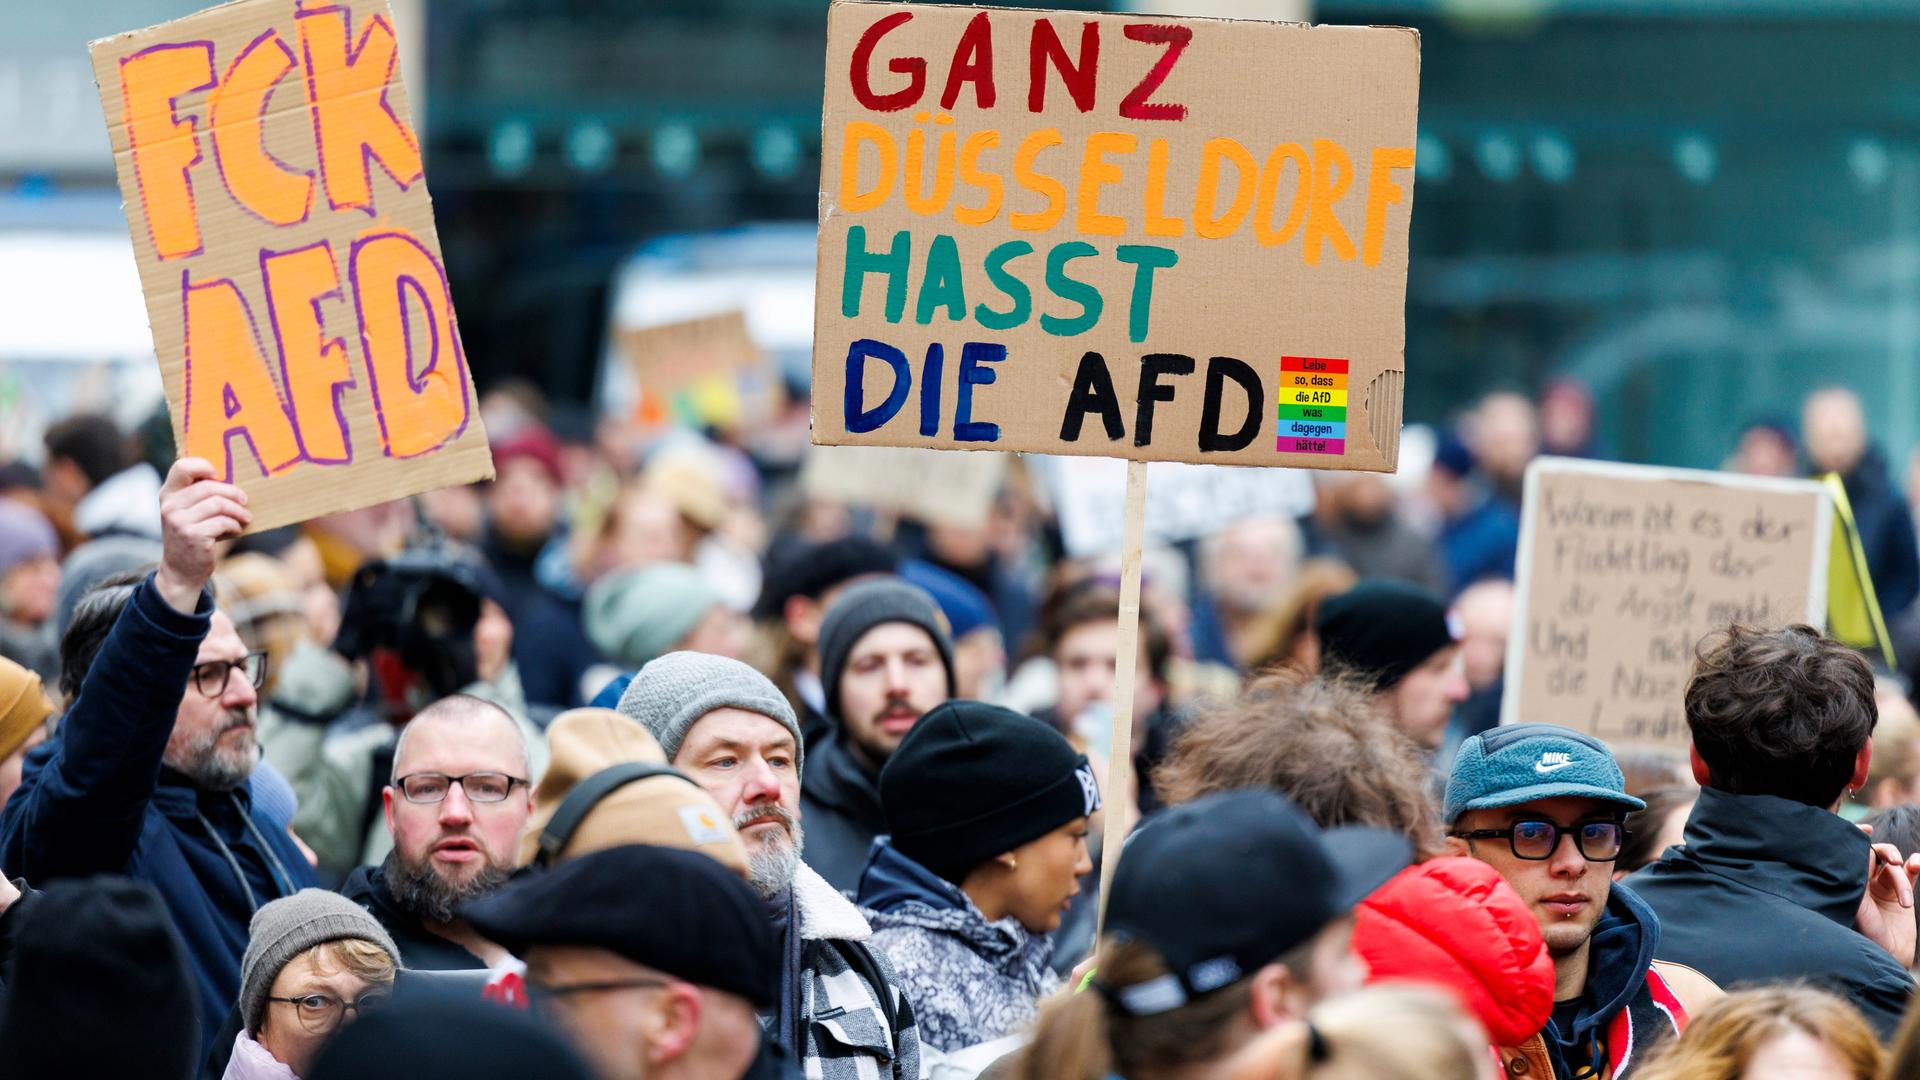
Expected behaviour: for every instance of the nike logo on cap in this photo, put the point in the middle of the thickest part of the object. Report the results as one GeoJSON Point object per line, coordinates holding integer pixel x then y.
{"type": "Point", "coordinates": [1552, 762]}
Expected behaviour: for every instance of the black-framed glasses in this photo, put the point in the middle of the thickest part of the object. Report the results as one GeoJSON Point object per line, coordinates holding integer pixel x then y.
{"type": "Point", "coordinates": [211, 677]}
{"type": "Point", "coordinates": [542, 995]}
{"type": "Point", "coordinates": [1598, 841]}
{"type": "Point", "coordinates": [481, 787]}
{"type": "Point", "coordinates": [322, 1013]}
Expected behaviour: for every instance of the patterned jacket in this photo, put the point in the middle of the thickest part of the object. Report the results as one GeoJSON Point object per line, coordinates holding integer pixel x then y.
{"type": "Point", "coordinates": [971, 981]}
{"type": "Point", "coordinates": [844, 981]}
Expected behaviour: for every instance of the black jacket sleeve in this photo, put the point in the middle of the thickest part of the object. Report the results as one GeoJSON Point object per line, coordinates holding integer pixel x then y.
{"type": "Point", "coordinates": [80, 811]}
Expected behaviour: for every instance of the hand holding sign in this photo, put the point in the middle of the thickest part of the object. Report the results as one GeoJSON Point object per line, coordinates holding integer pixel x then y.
{"type": "Point", "coordinates": [300, 308]}
{"type": "Point", "coordinates": [197, 511]}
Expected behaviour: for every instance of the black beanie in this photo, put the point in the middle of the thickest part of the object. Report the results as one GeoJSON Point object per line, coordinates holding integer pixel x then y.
{"type": "Point", "coordinates": [1382, 630]}
{"type": "Point", "coordinates": [865, 606]}
{"type": "Point", "coordinates": [99, 985]}
{"type": "Point", "coordinates": [971, 781]}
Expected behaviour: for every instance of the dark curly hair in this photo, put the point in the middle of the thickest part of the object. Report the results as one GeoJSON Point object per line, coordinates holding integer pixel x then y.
{"type": "Point", "coordinates": [1780, 712]}
{"type": "Point", "coordinates": [1321, 742]}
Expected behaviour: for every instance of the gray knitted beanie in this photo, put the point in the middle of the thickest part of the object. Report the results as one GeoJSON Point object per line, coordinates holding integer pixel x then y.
{"type": "Point", "coordinates": [290, 926]}
{"type": "Point", "coordinates": [670, 693]}
{"type": "Point", "coordinates": [865, 606]}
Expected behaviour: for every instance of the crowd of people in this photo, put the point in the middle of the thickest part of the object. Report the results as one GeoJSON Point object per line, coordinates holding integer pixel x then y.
{"type": "Point", "coordinates": [644, 760]}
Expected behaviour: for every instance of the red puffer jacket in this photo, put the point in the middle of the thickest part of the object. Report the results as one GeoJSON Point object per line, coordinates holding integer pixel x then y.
{"type": "Point", "coordinates": [1455, 923]}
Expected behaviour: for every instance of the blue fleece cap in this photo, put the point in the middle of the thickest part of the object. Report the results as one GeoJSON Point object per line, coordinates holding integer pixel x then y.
{"type": "Point", "coordinates": [967, 608]}
{"type": "Point", "coordinates": [1520, 763]}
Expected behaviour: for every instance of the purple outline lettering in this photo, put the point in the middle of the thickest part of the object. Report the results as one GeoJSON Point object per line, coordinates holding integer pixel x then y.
{"type": "Point", "coordinates": [260, 128]}
{"type": "Point", "coordinates": [192, 121]}
{"type": "Point", "coordinates": [353, 52]}
{"type": "Point", "coordinates": [328, 345]}
{"type": "Point", "coordinates": [187, 288]}
{"type": "Point", "coordinates": [414, 384]}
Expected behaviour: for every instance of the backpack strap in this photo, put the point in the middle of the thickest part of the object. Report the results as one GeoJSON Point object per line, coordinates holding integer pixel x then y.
{"type": "Point", "coordinates": [861, 961]}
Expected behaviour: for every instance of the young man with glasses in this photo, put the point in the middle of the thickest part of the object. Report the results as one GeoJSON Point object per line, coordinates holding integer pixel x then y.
{"type": "Point", "coordinates": [150, 774]}
{"type": "Point", "coordinates": [1546, 807]}
{"type": "Point", "coordinates": [458, 798]}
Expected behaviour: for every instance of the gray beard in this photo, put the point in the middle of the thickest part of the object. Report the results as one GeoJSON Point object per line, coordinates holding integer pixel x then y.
{"type": "Point", "coordinates": [416, 888]}
{"type": "Point", "coordinates": [770, 868]}
{"type": "Point", "coordinates": [213, 769]}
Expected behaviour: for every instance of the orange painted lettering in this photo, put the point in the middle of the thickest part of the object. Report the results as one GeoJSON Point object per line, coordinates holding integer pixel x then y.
{"type": "Point", "coordinates": [347, 91]}
{"type": "Point", "coordinates": [229, 393]}
{"type": "Point", "coordinates": [313, 365]}
{"type": "Point", "coordinates": [402, 297]}
{"type": "Point", "coordinates": [164, 147]}
{"type": "Point", "coordinates": [1096, 172]}
{"type": "Point", "coordinates": [270, 189]}
{"type": "Point", "coordinates": [1382, 192]}
{"type": "Point", "coordinates": [1332, 176]}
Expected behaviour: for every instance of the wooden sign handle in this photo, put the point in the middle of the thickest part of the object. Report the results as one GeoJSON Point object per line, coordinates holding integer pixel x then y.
{"type": "Point", "coordinates": [1118, 798]}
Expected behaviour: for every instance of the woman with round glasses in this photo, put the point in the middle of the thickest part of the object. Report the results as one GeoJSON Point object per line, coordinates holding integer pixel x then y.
{"type": "Point", "coordinates": [315, 960]}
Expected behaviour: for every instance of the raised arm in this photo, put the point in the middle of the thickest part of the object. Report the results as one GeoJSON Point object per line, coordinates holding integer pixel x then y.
{"type": "Point", "coordinates": [79, 809]}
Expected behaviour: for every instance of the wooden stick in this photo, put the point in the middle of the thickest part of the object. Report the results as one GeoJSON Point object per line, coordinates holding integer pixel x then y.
{"type": "Point", "coordinates": [1119, 793]}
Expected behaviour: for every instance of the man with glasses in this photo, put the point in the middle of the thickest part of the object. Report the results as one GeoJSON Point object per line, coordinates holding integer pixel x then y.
{"type": "Point", "coordinates": [150, 773]}
{"type": "Point", "coordinates": [458, 798]}
{"type": "Point", "coordinates": [1545, 806]}
{"type": "Point", "coordinates": [654, 961]}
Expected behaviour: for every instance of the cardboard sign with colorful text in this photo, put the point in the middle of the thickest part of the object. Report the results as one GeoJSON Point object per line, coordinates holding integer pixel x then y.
{"type": "Point", "coordinates": [1623, 569]}
{"type": "Point", "coordinates": [299, 303]}
{"type": "Point", "coordinates": [1118, 235]}
{"type": "Point", "coordinates": [704, 372]}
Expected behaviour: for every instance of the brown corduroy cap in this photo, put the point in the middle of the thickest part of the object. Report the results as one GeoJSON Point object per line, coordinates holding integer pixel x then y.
{"type": "Point", "coordinates": [664, 810]}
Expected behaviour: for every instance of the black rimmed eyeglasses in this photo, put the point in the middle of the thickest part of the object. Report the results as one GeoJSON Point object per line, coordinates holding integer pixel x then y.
{"type": "Point", "coordinates": [211, 678]}
{"type": "Point", "coordinates": [481, 787]}
{"type": "Point", "coordinates": [1598, 841]}
{"type": "Point", "coordinates": [321, 1013]}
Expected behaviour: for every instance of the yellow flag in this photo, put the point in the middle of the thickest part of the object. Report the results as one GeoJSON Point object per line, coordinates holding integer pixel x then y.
{"type": "Point", "coordinates": [1853, 611]}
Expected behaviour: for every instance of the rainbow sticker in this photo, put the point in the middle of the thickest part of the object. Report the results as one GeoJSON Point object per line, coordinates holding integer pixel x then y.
{"type": "Point", "coordinates": [1313, 405]}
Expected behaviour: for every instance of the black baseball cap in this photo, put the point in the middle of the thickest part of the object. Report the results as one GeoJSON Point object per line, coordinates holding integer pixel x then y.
{"type": "Point", "coordinates": [1383, 629]}
{"type": "Point", "coordinates": [1226, 884]}
{"type": "Point", "coordinates": [671, 909]}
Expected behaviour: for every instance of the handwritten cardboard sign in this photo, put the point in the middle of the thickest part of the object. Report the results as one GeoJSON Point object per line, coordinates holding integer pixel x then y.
{"type": "Point", "coordinates": [700, 372]}
{"type": "Point", "coordinates": [1183, 501]}
{"type": "Point", "coordinates": [299, 303]}
{"type": "Point", "coordinates": [1120, 235]}
{"type": "Point", "coordinates": [1623, 569]}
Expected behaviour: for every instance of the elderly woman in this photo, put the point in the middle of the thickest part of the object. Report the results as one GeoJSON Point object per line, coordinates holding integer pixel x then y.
{"type": "Point", "coordinates": [314, 961]}
{"type": "Point", "coordinates": [988, 812]}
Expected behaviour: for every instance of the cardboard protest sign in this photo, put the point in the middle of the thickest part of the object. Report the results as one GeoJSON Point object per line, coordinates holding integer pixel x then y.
{"type": "Point", "coordinates": [1119, 235]}
{"type": "Point", "coordinates": [701, 372]}
{"type": "Point", "coordinates": [1183, 501]}
{"type": "Point", "coordinates": [1623, 569]}
{"type": "Point", "coordinates": [934, 486]}
{"type": "Point", "coordinates": [299, 303]}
